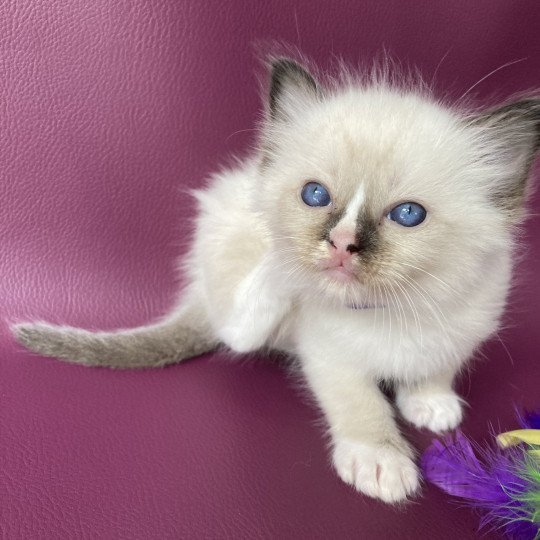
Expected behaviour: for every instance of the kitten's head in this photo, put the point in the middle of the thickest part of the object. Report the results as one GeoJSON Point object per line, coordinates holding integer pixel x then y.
{"type": "Point", "coordinates": [375, 192]}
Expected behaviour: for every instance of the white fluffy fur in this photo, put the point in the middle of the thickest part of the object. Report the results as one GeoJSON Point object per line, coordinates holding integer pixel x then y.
{"type": "Point", "coordinates": [437, 291]}
{"type": "Point", "coordinates": [246, 256]}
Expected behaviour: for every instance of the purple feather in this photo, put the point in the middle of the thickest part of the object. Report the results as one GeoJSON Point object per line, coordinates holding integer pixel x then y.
{"type": "Point", "coordinates": [530, 419]}
{"type": "Point", "coordinates": [491, 483]}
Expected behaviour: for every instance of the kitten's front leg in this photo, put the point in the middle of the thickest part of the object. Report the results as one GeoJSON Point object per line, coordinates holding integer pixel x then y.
{"type": "Point", "coordinates": [431, 404]}
{"type": "Point", "coordinates": [368, 450]}
{"type": "Point", "coordinates": [259, 305]}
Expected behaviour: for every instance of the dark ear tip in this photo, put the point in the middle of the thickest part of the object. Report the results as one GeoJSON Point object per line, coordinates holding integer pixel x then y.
{"type": "Point", "coordinates": [288, 72]}
{"type": "Point", "coordinates": [282, 64]}
{"type": "Point", "coordinates": [517, 126]}
{"type": "Point", "coordinates": [522, 109]}
{"type": "Point", "coordinates": [286, 68]}
{"type": "Point", "coordinates": [517, 117]}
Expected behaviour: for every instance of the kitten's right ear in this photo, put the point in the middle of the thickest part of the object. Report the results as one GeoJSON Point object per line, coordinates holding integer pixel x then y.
{"type": "Point", "coordinates": [514, 130]}
{"type": "Point", "coordinates": [291, 87]}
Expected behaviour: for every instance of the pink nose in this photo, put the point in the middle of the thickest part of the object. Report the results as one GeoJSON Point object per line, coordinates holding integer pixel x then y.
{"type": "Point", "coordinates": [343, 242]}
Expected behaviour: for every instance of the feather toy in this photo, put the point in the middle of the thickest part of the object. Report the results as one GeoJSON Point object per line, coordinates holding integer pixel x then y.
{"type": "Point", "coordinates": [502, 482]}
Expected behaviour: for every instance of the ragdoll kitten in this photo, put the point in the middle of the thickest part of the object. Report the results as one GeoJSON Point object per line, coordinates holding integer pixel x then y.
{"type": "Point", "coordinates": [371, 237]}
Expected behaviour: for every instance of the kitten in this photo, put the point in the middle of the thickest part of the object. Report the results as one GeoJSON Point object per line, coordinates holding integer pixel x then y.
{"type": "Point", "coordinates": [371, 237]}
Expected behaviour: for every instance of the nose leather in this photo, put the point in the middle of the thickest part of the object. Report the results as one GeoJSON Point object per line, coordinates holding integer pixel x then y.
{"type": "Point", "coordinates": [343, 241]}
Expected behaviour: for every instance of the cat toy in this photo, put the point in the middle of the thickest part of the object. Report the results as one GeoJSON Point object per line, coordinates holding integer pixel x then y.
{"type": "Point", "coordinates": [501, 481]}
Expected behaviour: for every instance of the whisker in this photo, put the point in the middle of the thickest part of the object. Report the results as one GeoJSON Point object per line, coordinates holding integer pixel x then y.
{"type": "Point", "coordinates": [490, 74]}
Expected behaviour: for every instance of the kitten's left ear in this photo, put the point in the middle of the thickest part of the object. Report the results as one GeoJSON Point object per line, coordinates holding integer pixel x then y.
{"type": "Point", "coordinates": [291, 87]}
{"type": "Point", "coordinates": [515, 131]}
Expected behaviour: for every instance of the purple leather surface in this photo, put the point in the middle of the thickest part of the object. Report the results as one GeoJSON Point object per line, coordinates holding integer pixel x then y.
{"type": "Point", "coordinates": [108, 110]}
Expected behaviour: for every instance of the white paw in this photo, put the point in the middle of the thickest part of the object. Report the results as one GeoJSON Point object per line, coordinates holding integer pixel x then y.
{"type": "Point", "coordinates": [242, 338]}
{"type": "Point", "coordinates": [437, 411]}
{"type": "Point", "coordinates": [382, 472]}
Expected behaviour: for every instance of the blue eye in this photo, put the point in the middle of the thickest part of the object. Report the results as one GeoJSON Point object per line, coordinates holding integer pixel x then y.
{"type": "Point", "coordinates": [314, 194]}
{"type": "Point", "coordinates": [409, 214]}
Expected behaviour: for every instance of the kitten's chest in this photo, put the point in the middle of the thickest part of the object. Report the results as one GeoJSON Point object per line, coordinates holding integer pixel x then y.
{"type": "Point", "coordinates": [380, 342]}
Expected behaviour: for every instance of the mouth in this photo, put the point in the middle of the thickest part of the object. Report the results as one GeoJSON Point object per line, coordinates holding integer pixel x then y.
{"type": "Point", "coordinates": [340, 273]}
{"type": "Point", "coordinates": [347, 277]}
{"type": "Point", "coordinates": [338, 270]}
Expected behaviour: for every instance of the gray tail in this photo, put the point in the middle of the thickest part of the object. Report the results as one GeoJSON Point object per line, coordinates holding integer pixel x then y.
{"type": "Point", "coordinates": [181, 336]}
